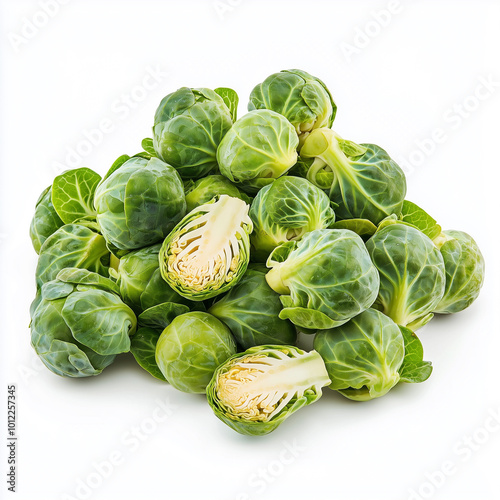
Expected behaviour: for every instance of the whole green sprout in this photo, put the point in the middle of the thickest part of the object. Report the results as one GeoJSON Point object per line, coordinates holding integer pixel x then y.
{"type": "Point", "coordinates": [139, 203]}
{"type": "Point", "coordinates": [412, 274]}
{"type": "Point", "coordinates": [191, 348]}
{"type": "Point", "coordinates": [302, 98]}
{"type": "Point", "coordinates": [286, 210]}
{"type": "Point", "coordinates": [188, 126]}
{"type": "Point", "coordinates": [324, 279]}
{"type": "Point", "coordinates": [260, 147]}
{"type": "Point", "coordinates": [256, 391]}
{"type": "Point", "coordinates": [464, 267]}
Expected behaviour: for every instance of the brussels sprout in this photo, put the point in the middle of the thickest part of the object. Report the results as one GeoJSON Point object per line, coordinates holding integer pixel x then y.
{"type": "Point", "coordinates": [412, 274]}
{"type": "Point", "coordinates": [203, 190]}
{"type": "Point", "coordinates": [362, 356]}
{"type": "Point", "coordinates": [72, 245]}
{"type": "Point", "coordinates": [139, 203]}
{"type": "Point", "coordinates": [255, 391]}
{"type": "Point", "coordinates": [261, 146]}
{"type": "Point", "coordinates": [250, 309]}
{"type": "Point", "coordinates": [325, 279]}
{"type": "Point", "coordinates": [302, 98]}
{"type": "Point", "coordinates": [191, 348]}
{"type": "Point", "coordinates": [140, 282]}
{"type": "Point", "coordinates": [367, 356]}
{"type": "Point", "coordinates": [80, 324]}
{"type": "Point", "coordinates": [73, 194]}
{"type": "Point", "coordinates": [208, 251]}
{"type": "Point", "coordinates": [45, 221]}
{"type": "Point", "coordinates": [189, 124]}
{"type": "Point", "coordinates": [365, 182]}
{"type": "Point", "coordinates": [464, 267]}
{"type": "Point", "coordinates": [284, 211]}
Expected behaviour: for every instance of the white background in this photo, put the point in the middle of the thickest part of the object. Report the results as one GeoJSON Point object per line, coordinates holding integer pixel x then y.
{"type": "Point", "coordinates": [415, 72]}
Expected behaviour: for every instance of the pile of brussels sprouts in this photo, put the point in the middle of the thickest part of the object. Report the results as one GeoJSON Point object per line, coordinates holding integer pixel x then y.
{"type": "Point", "coordinates": [208, 252]}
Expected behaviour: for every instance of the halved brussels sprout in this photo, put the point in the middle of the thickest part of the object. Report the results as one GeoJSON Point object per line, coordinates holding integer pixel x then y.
{"type": "Point", "coordinates": [45, 220]}
{"type": "Point", "coordinates": [139, 203]}
{"type": "Point", "coordinates": [325, 279]}
{"type": "Point", "coordinates": [203, 190]}
{"type": "Point", "coordinates": [140, 281]}
{"type": "Point", "coordinates": [250, 309]}
{"type": "Point", "coordinates": [208, 251]}
{"type": "Point", "coordinates": [364, 181]}
{"type": "Point", "coordinates": [72, 245]}
{"type": "Point", "coordinates": [412, 274]}
{"type": "Point", "coordinates": [284, 211]}
{"type": "Point", "coordinates": [260, 147]}
{"type": "Point", "coordinates": [464, 267]}
{"type": "Point", "coordinates": [302, 98]}
{"type": "Point", "coordinates": [80, 323]}
{"type": "Point", "coordinates": [367, 356]}
{"type": "Point", "coordinates": [191, 348]}
{"type": "Point", "coordinates": [255, 391]}
{"type": "Point", "coordinates": [188, 127]}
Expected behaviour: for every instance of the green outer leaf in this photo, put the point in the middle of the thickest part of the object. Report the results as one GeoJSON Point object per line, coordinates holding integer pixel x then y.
{"type": "Point", "coordinates": [73, 194]}
{"type": "Point", "coordinates": [230, 98]}
{"type": "Point", "coordinates": [420, 219]}
{"type": "Point", "coordinates": [414, 368]}
{"type": "Point", "coordinates": [99, 320]}
{"type": "Point", "coordinates": [45, 220]}
{"type": "Point", "coordinates": [116, 165]}
{"type": "Point", "coordinates": [147, 145]}
{"type": "Point", "coordinates": [352, 149]}
{"type": "Point", "coordinates": [143, 348]}
{"type": "Point", "coordinates": [306, 318]}
{"type": "Point", "coordinates": [55, 289]}
{"type": "Point", "coordinates": [72, 245]}
{"type": "Point", "coordinates": [75, 276]}
{"type": "Point", "coordinates": [161, 315]}
{"type": "Point", "coordinates": [362, 227]}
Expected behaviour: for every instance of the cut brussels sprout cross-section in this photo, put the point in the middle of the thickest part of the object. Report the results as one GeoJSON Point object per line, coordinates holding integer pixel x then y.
{"type": "Point", "coordinates": [257, 387]}
{"type": "Point", "coordinates": [208, 251]}
{"type": "Point", "coordinates": [253, 392]}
